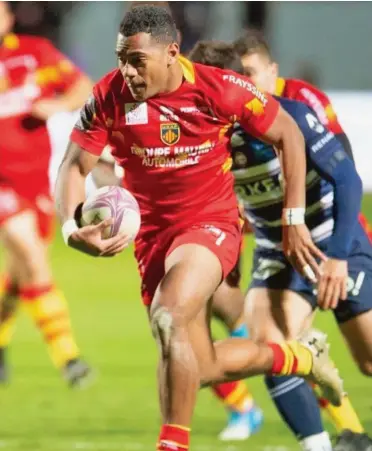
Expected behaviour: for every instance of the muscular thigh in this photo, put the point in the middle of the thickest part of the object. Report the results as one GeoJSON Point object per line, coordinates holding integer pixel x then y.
{"type": "Point", "coordinates": [25, 248]}
{"type": "Point", "coordinates": [228, 305]}
{"type": "Point", "coordinates": [355, 314]}
{"type": "Point", "coordinates": [186, 286]}
{"type": "Point", "coordinates": [357, 332]}
{"type": "Point", "coordinates": [276, 315]}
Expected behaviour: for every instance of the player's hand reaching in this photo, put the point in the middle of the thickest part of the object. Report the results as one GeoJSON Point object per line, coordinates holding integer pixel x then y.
{"type": "Point", "coordinates": [332, 283]}
{"type": "Point", "coordinates": [88, 239]}
{"type": "Point", "coordinates": [300, 250]}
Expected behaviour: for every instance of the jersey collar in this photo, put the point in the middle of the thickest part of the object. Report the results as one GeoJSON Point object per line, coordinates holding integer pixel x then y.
{"type": "Point", "coordinates": [10, 41]}
{"type": "Point", "coordinates": [279, 86]}
{"type": "Point", "coordinates": [187, 69]}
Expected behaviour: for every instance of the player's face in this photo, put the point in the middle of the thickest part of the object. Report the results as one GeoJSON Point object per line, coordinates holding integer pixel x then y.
{"type": "Point", "coordinates": [6, 19]}
{"type": "Point", "coordinates": [145, 64]}
{"type": "Point", "coordinates": [261, 70]}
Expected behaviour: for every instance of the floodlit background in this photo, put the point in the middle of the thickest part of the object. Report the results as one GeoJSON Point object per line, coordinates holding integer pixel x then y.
{"type": "Point", "coordinates": [328, 44]}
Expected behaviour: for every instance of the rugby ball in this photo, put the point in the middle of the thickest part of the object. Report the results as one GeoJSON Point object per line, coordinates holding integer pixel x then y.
{"type": "Point", "coordinates": [116, 203]}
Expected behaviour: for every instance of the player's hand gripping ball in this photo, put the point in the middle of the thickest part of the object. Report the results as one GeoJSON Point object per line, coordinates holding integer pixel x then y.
{"type": "Point", "coordinates": [117, 204]}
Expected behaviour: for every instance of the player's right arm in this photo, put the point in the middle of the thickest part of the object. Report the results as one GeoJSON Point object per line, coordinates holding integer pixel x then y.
{"type": "Point", "coordinates": [261, 115]}
{"type": "Point", "coordinates": [88, 139]}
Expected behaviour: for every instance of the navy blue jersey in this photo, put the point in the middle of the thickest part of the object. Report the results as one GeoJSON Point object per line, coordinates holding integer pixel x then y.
{"type": "Point", "coordinates": [333, 187]}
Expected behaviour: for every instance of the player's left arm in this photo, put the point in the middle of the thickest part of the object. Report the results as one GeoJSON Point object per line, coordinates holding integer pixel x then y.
{"type": "Point", "coordinates": [262, 116]}
{"type": "Point", "coordinates": [331, 161]}
{"type": "Point", "coordinates": [87, 141]}
{"type": "Point", "coordinates": [71, 85]}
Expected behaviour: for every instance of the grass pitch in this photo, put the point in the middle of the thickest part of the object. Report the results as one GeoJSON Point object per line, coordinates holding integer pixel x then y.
{"type": "Point", "coordinates": [120, 412]}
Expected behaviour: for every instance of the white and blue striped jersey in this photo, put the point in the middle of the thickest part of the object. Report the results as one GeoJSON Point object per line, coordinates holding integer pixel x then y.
{"type": "Point", "coordinates": [257, 172]}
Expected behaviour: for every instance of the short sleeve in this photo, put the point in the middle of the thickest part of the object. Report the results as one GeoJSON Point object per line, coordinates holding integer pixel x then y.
{"type": "Point", "coordinates": [243, 102]}
{"type": "Point", "coordinates": [90, 131]}
{"type": "Point", "coordinates": [321, 104]}
{"type": "Point", "coordinates": [55, 68]}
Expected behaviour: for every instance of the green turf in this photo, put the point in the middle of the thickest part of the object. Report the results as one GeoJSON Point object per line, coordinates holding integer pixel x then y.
{"type": "Point", "coordinates": [120, 410]}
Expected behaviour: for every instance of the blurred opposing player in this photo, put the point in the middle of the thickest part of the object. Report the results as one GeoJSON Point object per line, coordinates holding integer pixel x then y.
{"type": "Point", "coordinates": [36, 81]}
{"type": "Point", "coordinates": [167, 123]}
{"type": "Point", "coordinates": [259, 66]}
{"type": "Point", "coordinates": [256, 169]}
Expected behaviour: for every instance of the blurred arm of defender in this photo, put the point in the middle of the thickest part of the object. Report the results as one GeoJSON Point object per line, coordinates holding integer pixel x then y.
{"type": "Point", "coordinates": [88, 140]}
{"type": "Point", "coordinates": [71, 86]}
{"type": "Point", "coordinates": [332, 162]}
{"type": "Point", "coordinates": [262, 116]}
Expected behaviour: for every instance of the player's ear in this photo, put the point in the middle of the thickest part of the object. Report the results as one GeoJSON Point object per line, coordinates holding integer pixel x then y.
{"type": "Point", "coordinates": [275, 69]}
{"type": "Point", "coordinates": [173, 52]}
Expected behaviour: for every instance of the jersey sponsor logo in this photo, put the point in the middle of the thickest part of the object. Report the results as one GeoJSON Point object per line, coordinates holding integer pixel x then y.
{"type": "Point", "coordinates": [175, 157]}
{"type": "Point", "coordinates": [218, 233]}
{"type": "Point", "coordinates": [256, 107]}
{"type": "Point", "coordinates": [258, 188]}
{"type": "Point", "coordinates": [170, 133]}
{"type": "Point", "coordinates": [267, 268]}
{"type": "Point", "coordinates": [248, 86]}
{"type": "Point", "coordinates": [314, 123]}
{"type": "Point", "coordinates": [240, 159]}
{"type": "Point", "coordinates": [27, 61]}
{"type": "Point", "coordinates": [136, 113]}
{"type": "Point", "coordinates": [322, 142]}
{"type": "Point", "coordinates": [168, 115]}
{"type": "Point", "coordinates": [18, 100]}
{"type": "Point", "coordinates": [237, 139]}
{"type": "Point", "coordinates": [353, 286]}
{"type": "Point", "coordinates": [316, 104]}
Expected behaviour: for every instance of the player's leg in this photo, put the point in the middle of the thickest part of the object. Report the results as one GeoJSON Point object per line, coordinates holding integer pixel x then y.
{"type": "Point", "coordinates": [245, 418]}
{"type": "Point", "coordinates": [278, 315]}
{"type": "Point", "coordinates": [355, 314]}
{"type": "Point", "coordinates": [9, 302]}
{"type": "Point", "coordinates": [188, 356]}
{"type": "Point", "coordinates": [46, 304]}
{"type": "Point", "coordinates": [358, 334]}
{"type": "Point", "coordinates": [366, 226]}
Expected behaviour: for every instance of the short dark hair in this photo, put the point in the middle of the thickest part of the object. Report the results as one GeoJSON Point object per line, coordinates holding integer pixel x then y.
{"type": "Point", "coordinates": [252, 41]}
{"type": "Point", "coordinates": [151, 19]}
{"type": "Point", "coordinates": [217, 54]}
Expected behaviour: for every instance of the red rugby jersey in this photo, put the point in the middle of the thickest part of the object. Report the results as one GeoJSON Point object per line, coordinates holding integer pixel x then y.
{"type": "Point", "coordinates": [174, 147]}
{"type": "Point", "coordinates": [313, 97]}
{"type": "Point", "coordinates": [30, 69]}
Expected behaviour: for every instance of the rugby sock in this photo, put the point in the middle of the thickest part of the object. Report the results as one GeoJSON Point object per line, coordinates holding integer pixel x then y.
{"type": "Point", "coordinates": [8, 308]}
{"type": "Point", "coordinates": [48, 308]}
{"type": "Point", "coordinates": [173, 437]}
{"type": "Point", "coordinates": [290, 359]}
{"type": "Point", "coordinates": [240, 331]}
{"type": "Point", "coordinates": [235, 395]}
{"type": "Point", "coordinates": [296, 403]}
{"type": "Point", "coordinates": [343, 417]}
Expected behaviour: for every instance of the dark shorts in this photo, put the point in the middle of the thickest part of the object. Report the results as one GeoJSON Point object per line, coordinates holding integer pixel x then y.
{"type": "Point", "coordinates": [272, 270]}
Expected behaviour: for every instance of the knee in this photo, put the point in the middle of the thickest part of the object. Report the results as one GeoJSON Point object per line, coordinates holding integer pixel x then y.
{"type": "Point", "coordinates": [365, 367]}
{"type": "Point", "coordinates": [164, 324]}
{"type": "Point", "coordinates": [36, 269]}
